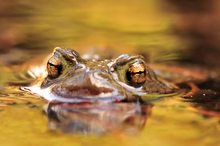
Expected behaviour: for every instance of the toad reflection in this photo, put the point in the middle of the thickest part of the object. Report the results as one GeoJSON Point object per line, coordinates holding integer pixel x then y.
{"type": "Point", "coordinates": [87, 118]}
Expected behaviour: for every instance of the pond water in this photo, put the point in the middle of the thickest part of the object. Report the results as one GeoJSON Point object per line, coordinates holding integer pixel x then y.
{"type": "Point", "coordinates": [28, 120]}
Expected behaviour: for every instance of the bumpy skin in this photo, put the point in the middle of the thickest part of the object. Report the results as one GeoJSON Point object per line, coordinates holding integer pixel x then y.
{"type": "Point", "coordinates": [100, 80]}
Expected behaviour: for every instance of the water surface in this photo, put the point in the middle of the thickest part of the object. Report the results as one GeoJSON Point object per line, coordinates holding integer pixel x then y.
{"type": "Point", "coordinates": [169, 121]}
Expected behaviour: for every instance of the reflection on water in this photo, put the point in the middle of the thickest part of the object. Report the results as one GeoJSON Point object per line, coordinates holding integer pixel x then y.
{"type": "Point", "coordinates": [21, 112]}
{"type": "Point", "coordinates": [90, 118]}
{"type": "Point", "coordinates": [195, 122]}
{"type": "Point", "coordinates": [207, 99]}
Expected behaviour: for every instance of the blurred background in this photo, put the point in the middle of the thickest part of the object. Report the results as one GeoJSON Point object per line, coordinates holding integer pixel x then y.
{"type": "Point", "coordinates": [162, 30]}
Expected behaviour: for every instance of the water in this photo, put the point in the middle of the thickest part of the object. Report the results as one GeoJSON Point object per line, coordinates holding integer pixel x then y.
{"type": "Point", "coordinates": [169, 121]}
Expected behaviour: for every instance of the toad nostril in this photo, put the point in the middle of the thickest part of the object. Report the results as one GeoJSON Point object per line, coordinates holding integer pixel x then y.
{"type": "Point", "coordinates": [100, 76]}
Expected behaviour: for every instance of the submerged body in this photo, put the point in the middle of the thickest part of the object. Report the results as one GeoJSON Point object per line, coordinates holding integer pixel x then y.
{"type": "Point", "coordinates": [70, 78]}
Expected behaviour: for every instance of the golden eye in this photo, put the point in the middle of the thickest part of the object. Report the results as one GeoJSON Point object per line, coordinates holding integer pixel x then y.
{"type": "Point", "coordinates": [54, 67]}
{"type": "Point", "coordinates": [136, 74]}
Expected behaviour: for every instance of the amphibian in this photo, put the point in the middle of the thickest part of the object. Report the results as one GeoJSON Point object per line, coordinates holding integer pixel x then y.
{"type": "Point", "coordinates": [70, 78]}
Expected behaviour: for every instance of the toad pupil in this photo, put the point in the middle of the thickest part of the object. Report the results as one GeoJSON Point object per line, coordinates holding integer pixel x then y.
{"type": "Point", "coordinates": [136, 74]}
{"type": "Point", "coordinates": [54, 68]}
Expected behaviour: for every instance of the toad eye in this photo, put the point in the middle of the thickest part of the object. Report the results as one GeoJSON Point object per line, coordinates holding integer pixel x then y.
{"type": "Point", "coordinates": [54, 67]}
{"type": "Point", "coordinates": [136, 74]}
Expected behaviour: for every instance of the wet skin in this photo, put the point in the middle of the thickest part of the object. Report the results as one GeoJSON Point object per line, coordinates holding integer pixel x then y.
{"type": "Point", "coordinates": [70, 78]}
